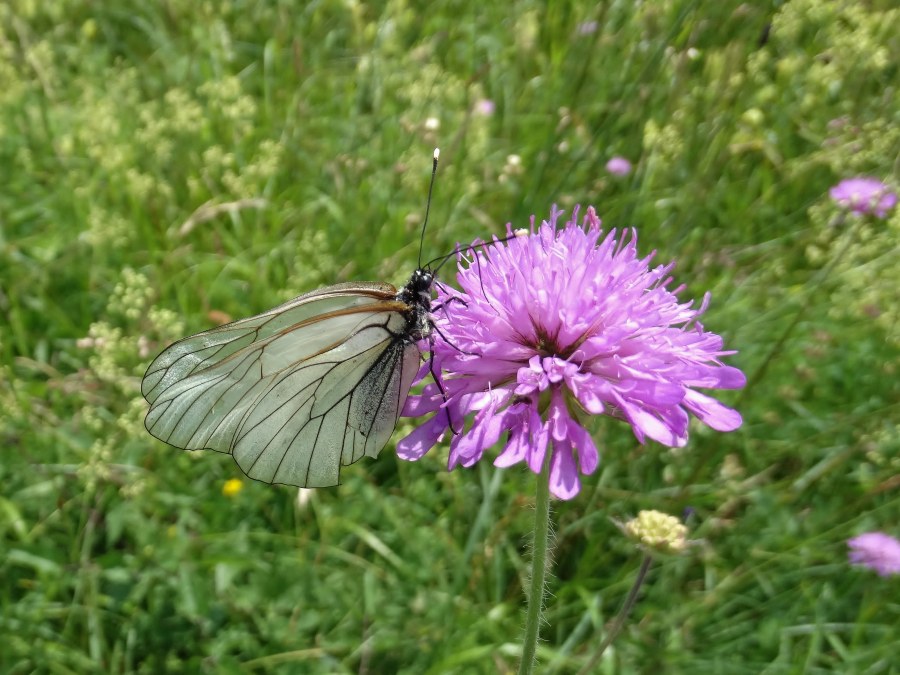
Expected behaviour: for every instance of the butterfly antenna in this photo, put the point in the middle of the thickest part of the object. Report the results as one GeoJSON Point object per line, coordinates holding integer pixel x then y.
{"type": "Point", "coordinates": [481, 244]}
{"type": "Point", "coordinates": [437, 154]}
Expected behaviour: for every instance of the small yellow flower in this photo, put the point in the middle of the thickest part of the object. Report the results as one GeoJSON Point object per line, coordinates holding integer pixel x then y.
{"type": "Point", "coordinates": [232, 486]}
{"type": "Point", "coordinates": [658, 531]}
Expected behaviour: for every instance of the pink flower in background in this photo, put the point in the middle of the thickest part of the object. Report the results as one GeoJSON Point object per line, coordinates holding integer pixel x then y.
{"type": "Point", "coordinates": [618, 166]}
{"type": "Point", "coordinates": [485, 107]}
{"type": "Point", "coordinates": [587, 28]}
{"type": "Point", "coordinates": [877, 551]}
{"type": "Point", "coordinates": [864, 195]}
{"type": "Point", "coordinates": [556, 325]}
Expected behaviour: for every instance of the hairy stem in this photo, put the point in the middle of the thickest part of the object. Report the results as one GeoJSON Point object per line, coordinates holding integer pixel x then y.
{"type": "Point", "coordinates": [539, 564]}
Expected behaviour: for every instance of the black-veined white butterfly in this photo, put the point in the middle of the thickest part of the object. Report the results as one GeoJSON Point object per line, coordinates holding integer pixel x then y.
{"type": "Point", "coordinates": [298, 391]}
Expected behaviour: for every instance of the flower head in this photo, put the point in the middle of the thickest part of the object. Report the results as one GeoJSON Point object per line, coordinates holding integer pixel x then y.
{"type": "Point", "coordinates": [877, 551]}
{"type": "Point", "coordinates": [618, 166]}
{"type": "Point", "coordinates": [485, 107]}
{"type": "Point", "coordinates": [232, 487]}
{"type": "Point", "coordinates": [658, 531]}
{"type": "Point", "coordinates": [555, 325]}
{"type": "Point", "coordinates": [864, 196]}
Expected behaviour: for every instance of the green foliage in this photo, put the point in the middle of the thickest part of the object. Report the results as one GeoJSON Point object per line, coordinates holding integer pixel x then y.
{"type": "Point", "coordinates": [168, 165]}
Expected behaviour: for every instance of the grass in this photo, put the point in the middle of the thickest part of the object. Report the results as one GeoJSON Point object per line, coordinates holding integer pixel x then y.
{"type": "Point", "coordinates": [168, 165]}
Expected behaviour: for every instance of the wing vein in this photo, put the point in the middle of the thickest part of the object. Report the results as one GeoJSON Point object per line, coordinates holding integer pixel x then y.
{"type": "Point", "coordinates": [292, 394]}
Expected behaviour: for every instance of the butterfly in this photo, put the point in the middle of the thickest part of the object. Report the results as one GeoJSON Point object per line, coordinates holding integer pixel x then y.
{"type": "Point", "coordinates": [298, 391]}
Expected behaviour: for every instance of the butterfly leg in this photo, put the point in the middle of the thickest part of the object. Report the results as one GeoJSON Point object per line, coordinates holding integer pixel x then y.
{"type": "Point", "coordinates": [452, 298]}
{"type": "Point", "coordinates": [442, 305]}
{"type": "Point", "coordinates": [447, 340]}
{"type": "Point", "coordinates": [440, 385]}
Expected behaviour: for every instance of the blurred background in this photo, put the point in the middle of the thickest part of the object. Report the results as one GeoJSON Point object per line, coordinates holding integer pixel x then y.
{"type": "Point", "coordinates": [167, 166]}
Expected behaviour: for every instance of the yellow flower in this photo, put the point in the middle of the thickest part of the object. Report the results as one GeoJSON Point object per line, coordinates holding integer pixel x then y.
{"type": "Point", "coordinates": [232, 486]}
{"type": "Point", "coordinates": [658, 531]}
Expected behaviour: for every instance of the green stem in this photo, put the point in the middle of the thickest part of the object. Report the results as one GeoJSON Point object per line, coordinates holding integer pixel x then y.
{"type": "Point", "coordinates": [619, 623]}
{"type": "Point", "coordinates": [539, 564]}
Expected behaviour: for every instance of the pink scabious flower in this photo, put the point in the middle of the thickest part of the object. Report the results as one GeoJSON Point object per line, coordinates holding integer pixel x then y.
{"type": "Point", "coordinates": [555, 325]}
{"type": "Point", "coordinates": [485, 107]}
{"type": "Point", "coordinates": [618, 166]}
{"type": "Point", "coordinates": [864, 196]}
{"type": "Point", "coordinates": [877, 551]}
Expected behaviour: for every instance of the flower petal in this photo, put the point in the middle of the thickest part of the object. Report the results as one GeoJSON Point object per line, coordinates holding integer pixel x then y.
{"type": "Point", "coordinates": [645, 423]}
{"type": "Point", "coordinates": [416, 406]}
{"type": "Point", "coordinates": [587, 389]}
{"type": "Point", "coordinates": [558, 416]}
{"type": "Point", "coordinates": [588, 457]}
{"type": "Point", "coordinates": [712, 413]}
{"type": "Point", "coordinates": [564, 483]}
{"type": "Point", "coordinates": [539, 438]}
{"type": "Point", "coordinates": [485, 432]}
{"type": "Point", "coordinates": [515, 450]}
{"type": "Point", "coordinates": [422, 438]}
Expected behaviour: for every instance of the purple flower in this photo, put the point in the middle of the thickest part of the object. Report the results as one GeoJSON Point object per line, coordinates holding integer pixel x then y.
{"type": "Point", "coordinates": [485, 107]}
{"type": "Point", "coordinates": [557, 325]}
{"type": "Point", "coordinates": [587, 28]}
{"type": "Point", "coordinates": [864, 195]}
{"type": "Point", "coordinates": [618, 166]}
{"type": "Point", "coordinates": [877, 551]}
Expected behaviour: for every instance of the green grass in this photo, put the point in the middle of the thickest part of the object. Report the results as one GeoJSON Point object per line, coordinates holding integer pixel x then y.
{"type": "Point", "coordinates": [120, 121]}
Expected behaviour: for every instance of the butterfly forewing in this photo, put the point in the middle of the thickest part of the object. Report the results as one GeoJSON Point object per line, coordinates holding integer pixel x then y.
{"type": "Point", "coordinates": [295, 392]}
{"type": "Point", "coordinates": [193, 353]}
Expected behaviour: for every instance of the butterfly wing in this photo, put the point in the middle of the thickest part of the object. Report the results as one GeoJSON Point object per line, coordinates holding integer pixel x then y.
{"type": "Point", "coordinates": [293, 393]}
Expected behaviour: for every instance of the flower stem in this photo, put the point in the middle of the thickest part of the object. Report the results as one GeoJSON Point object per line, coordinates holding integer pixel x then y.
{"type": "Point", "coordinates": [619, 622]}
{"type": "Point", "coordinates": [539, 564]}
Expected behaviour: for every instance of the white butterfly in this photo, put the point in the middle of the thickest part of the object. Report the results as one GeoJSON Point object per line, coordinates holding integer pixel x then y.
{"type": "Point", "coordinates": [294, 393]}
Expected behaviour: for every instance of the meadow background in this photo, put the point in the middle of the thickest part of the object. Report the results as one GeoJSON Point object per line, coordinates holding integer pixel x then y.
{"type": "Point", "coordinates": [167, 165]}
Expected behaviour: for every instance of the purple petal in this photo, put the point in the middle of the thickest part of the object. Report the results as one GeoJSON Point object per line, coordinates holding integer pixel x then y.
{"type": "Point", "coordinates": [514, 452]}
{"type": "Point", "coordinates": [730, 378]}
{"type": "Point", "coordinates": [864, 195]}
{"type": "Point", "coordinates": [655, 393]}
{"type": "Point", "coordinates": [564, 483]}
{"type": "Point", "coordinates": [537, 448]}
{"type": "Point", "coordinates": [558, 416]}
{"type": "Point", "coordinates": [557, 369]}
{"type": "Point", "coordinates": [588, 457]}
{"type": "Point", "coordinates": [517, 419]}
{"type": "Point", "coordinates": [421, 439]}
{"type": "Point", "coordinates": [712, 413]}
{"type": "Point", "coordinates": [645, 423]}
{"type": "Point", "coordinates": [587, 391]}
{"type": "Point", "coordinates": [416, 406]}
{"type": "Point", "coordinates": [877, 551]}
{"type": "Point", "coordinates": [468, 448]}
{"type": "Point", "coordinates": [618, 166]}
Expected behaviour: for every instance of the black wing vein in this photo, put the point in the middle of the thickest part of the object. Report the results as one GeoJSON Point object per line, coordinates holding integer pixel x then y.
{"type": "Point", "coordinates": [291, 398]}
